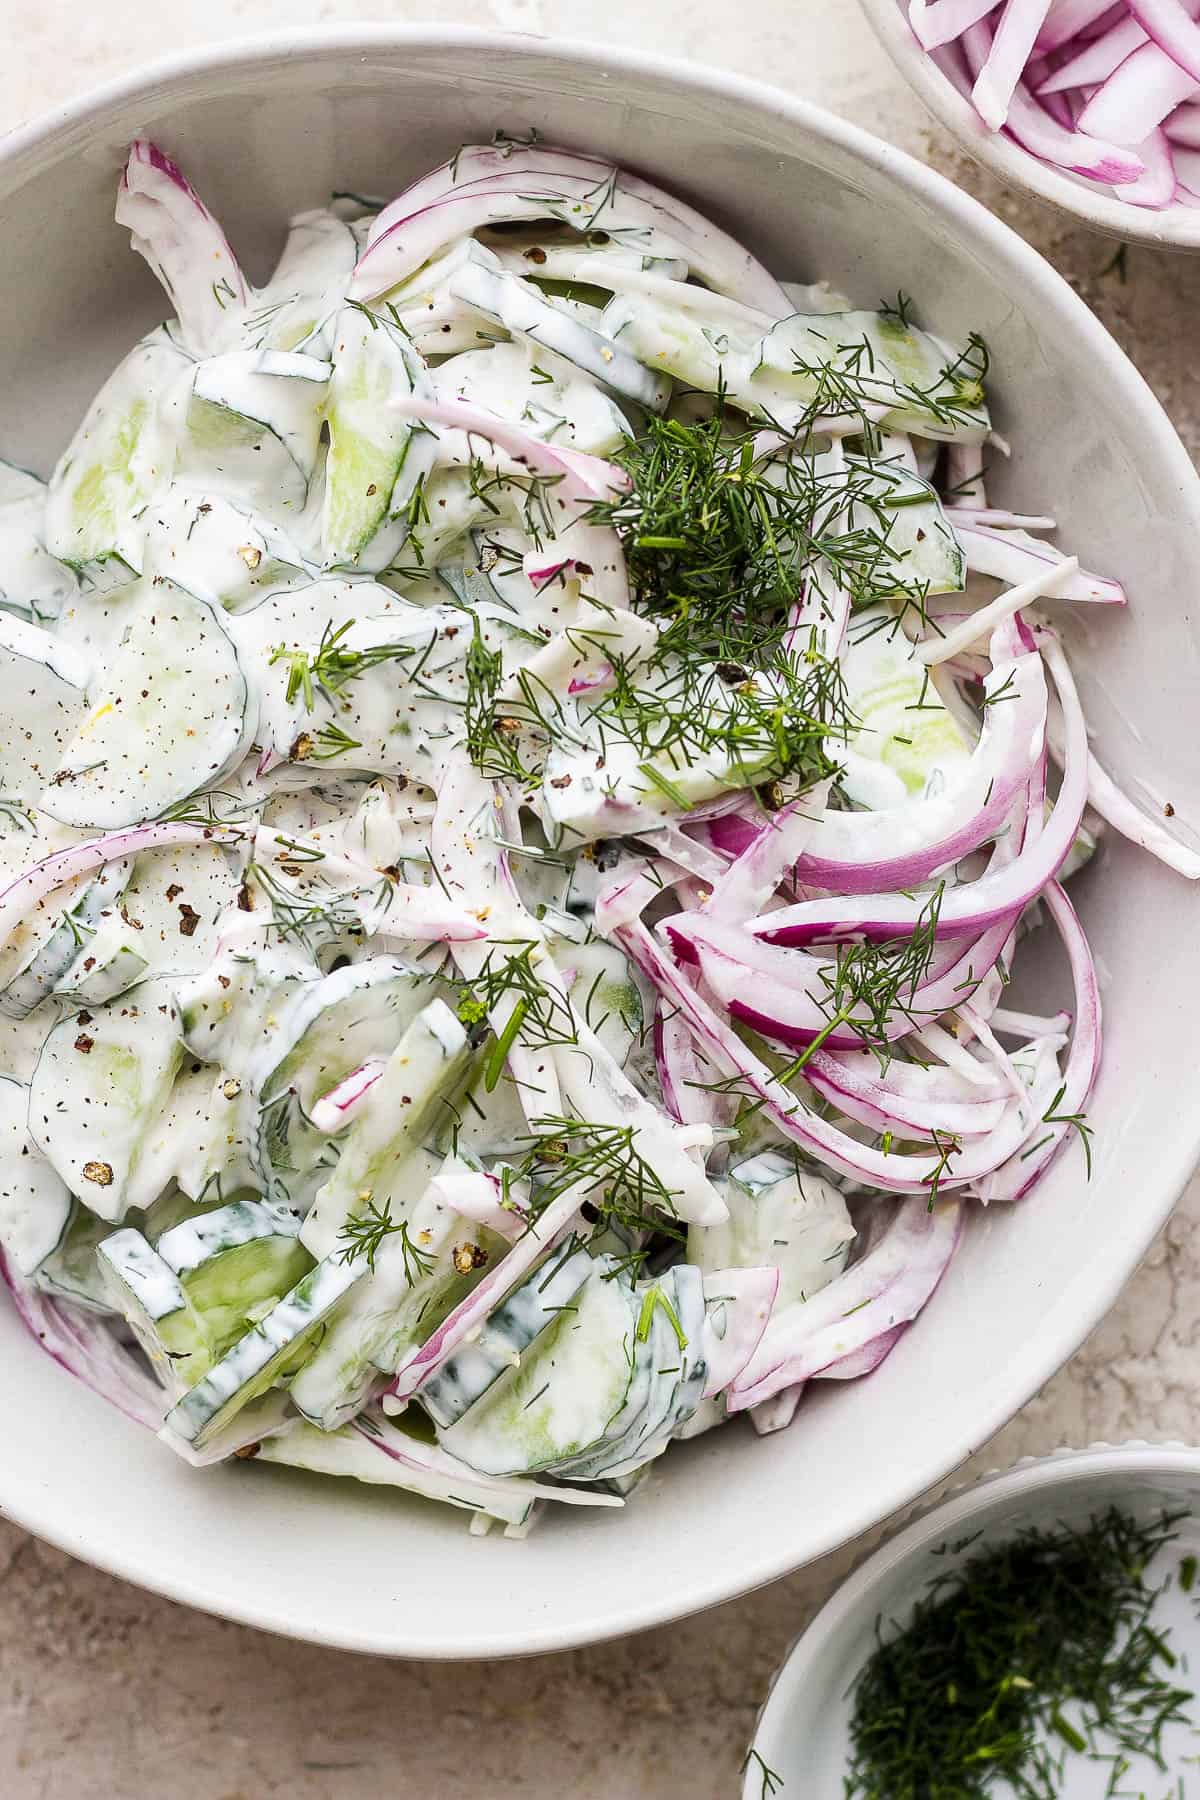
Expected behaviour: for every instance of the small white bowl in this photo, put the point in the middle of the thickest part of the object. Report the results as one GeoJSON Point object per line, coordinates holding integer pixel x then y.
{"type": "Point", "coordinates": [1174, 228]}
{"type": "Point", "coordinates": [804, 1729]}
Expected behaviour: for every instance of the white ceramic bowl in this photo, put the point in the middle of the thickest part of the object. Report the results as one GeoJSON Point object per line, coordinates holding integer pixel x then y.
{"type": "Point", "coordinates": [803, 1732]}
{"type": "Point", "coordinates": [269, 128]}
{"type": "Point", "coordinates": [1174, 228]}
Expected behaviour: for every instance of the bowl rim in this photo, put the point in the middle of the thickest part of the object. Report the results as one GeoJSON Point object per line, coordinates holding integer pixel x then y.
{"type": "Point", "coordinates": [1173, 228]}
{"type": "Point", "coordinates": [1027, 1371]}
{"type": "Point", "coordinates": [1032, 1475]}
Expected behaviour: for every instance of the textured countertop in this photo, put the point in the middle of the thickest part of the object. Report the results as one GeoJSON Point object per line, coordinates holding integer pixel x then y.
{"type": "Point", "coordinates": [107, 1693]}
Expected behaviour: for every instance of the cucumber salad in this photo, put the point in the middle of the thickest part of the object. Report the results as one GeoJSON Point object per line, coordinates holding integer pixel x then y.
{"type": "Point", "coordinates": [528, 759]}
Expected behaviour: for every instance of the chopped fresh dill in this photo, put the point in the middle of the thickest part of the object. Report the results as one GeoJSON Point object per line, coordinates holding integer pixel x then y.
{"type": "Point", "coordinates": [366, 1232]}
{"type": "Point", "coordinates": [970, 1698]}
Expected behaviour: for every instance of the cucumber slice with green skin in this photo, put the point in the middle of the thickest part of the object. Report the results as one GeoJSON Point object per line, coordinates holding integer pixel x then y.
{"type": "Point", "coordinates": [415, 1282]}
{"type": "Point", "coordinates": [562, 1398]}
{"type": "Point", "coordinates": [254, 426]}
{"type": "Point", "coordinates": [669, 1382]}
{"type": "Point", "coordinates": [229, 1014]}
{"type": "Point", "coordinates": [376, 459]}
{"type": "Point", "coordinates": [119, 457]}
{"type": "Point", "coordinates": [277, 1344]}
{"type": "Point", "coordinates": [482, 282]}
{"type": "Point", "coordinates": [331, 1027]}
{"type": "Point", "coordinates": [174, 715]}
{"type": "Point", "coordinates": [97, 1092]}
{"type": "Point", "coordinates": [66, 942]}
{"type": "Point", "coordinates": [151, 1299]}
{"type": "Point", "coordinates": [517, 1323]}
{"type": "Point", "coordinates": [35, 1203]}
{"type": "Point", "coordinates": [907, 743]}
{"type": "Point", "coordinates": [778, 1215]}
{"type": "Point", "coordinates": [167, 917]}
{"type": "Point", "coordinates": [923, 552]}
{"type": "Point", "coordinates": [353, 1453]}
{"type": "Point", "coordinates": [71, 1271]}
{"type": "Point", "coordinates": [234, 1261]}
{"type": "Point", "coordinates": [43, 705]}
{"type": "Point", "coordinates": [218, 551]}
{"type": "Point", "coordinates": [32, 582]}
{"type": "Point", "coordinates": [605, 995]}
{"type": "Point", "coordinates": [406, 1103]}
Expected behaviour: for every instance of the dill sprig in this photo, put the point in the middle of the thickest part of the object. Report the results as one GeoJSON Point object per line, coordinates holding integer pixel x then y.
{"type": "Point", "coordinates": [970, 1697]}
{"type": "Point", "coordinates": [540, 1016]}
{"type": "Point", "coordinates": [332, 664]}
{"type": "Point", "coordinates": [365, 1234]}
{"type": "Point", "coordinates": [564, 1152]}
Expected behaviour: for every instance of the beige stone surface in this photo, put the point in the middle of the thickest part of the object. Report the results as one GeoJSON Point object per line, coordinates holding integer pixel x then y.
{"type": "Point", "coordinates": [107, 1693]}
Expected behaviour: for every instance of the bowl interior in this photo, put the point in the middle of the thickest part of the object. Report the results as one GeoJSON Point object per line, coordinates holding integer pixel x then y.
{"type": "Point", "coordinates": [804, 1733]}
{"type": "Point", "coordinates": [269, 131]}
{"type": "Point", "coordinates": [1174, 227]}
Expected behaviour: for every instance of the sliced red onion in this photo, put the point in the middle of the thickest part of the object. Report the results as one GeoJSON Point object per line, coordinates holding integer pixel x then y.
{"type": "Point", "coordinates": [738, 1304]}
{"type": "Point", "coordinates": [1096, 61]}
{"type": "Point", "coordinates": [480, 1196]}
{"type": "Point", "coordinates": [977, 906]}
{"type": "Point", "coordinates": [893, 1172]}
{"type": "Point", "coordinates": [884, 1290]}
{"type": "Point", "coordinates": [1182, 127]}
{"type": "Point", "coordinates": [171, 227]}
{"type": "Point", "coordinates": [542, 183]}
{"type": "Point", "coordinates": [959, 514]}
{"type": "Point", "coordinates": [867, 1360]}
{"type": "Point", "coordinates": [1157, 187]}
{"type": "Point", "coordinates": [1137, 97]}
{"type": "Point", "coordinates": [1084, 151]}
{"type": "Point", "coordinates": [964, 473]}
{"type": "Point", "coordinates": [1030, 1025]}
{"type": "Point", "coordinates": [1010, 49]}
{"type": "Point", "coordinates": [542, 1235]}
{"type": "Point", "coordinates": [937, 22]}
{"type": "Point", "coordinates": [770, 855]}
{"type": "Point", "coordinates": [904, 846]}
{"type": "Point", "coordinates": [343, 1103]}
{"type": "Point", "coordinates": [891, 1100]}
{"type": "Point", "coordinates": [1015, 1177]}
{"type": "Point", "coordinates": [990, 551]}
{"type": "Point", "coordinates": [1168, 24]}
{"type": "Point", "coordinates": [684, 1079]}
{"type": "Point", "coordinates": [777, 1413]}
{"type": "Point", "coordinates": [1067, 19]}
{"type": "Point", "coordinates": [82, 1343]}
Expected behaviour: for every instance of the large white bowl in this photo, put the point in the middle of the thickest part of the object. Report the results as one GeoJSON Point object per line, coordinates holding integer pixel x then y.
{"type": "Point", "coordinates": [269, 128]}
{"type": "Point", "coordinates": [803, 1733]}
{"type": "Point", "coordinates": [1175, 227]}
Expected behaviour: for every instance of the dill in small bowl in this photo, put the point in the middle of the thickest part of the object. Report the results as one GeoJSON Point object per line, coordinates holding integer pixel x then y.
{"type": "Point", "coordinates": [1036, 1653]}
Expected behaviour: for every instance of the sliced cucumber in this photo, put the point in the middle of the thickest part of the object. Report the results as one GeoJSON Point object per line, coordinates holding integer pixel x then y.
{"type": "Point", "coordinates": [233, 1262]}
{"type": "Point", "coordinates": [517, 1323]}
{"type": "Point", "coordinates": [120, 456]}
{"type": "Point", "coordinates": [173, 716]}
{"type": "Point", "coordinates": [906, 743]}
{"type": "Point", "coordinates": [606, 995]}
{"type": "Point", "coordinates": [35, 1204]}
{"type": "Point", "coordinates": [151, 1299]}
{"type": "Point", "coordinates": [218, 551]}
{"type": "Point", "coordinates": [923, 554]}
{"type": "Point", "coordinates": [331, 1027]}
{"type": "Point", "coordinates": [32, 582]}
{"type": "Point", "coordinates": [98, 1090]}
{"type": "Point", "coordinates": [230, 1013]}
{"type": "Point", "coordinates": [43, 705]}
{"type": "Point", "coordinates": [778, 1215]}
{"type": "Point", "coordinates": [72, 1270]}
{"type": "Point", "coordinates": [482, 282]}
{"type": "Point", "coordinates": [376, 458]}
{"type": "Point", "coordinates": [561, 1399]}
{"type": "Point", "coordinates": [421, 1075]}
{"type": "Point", "coordinates": [254, 427]}
{"type": "Point", "coordinates": [415, 1281]}
{"type": "Point", "coordinates": [292, 311]}
{"type": "Point", "coordinates": [348, 1452]}
{"type": "Point", "coordinates": [66, 943]}
{"type": "Point", "coordinates": [270, 1349]}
